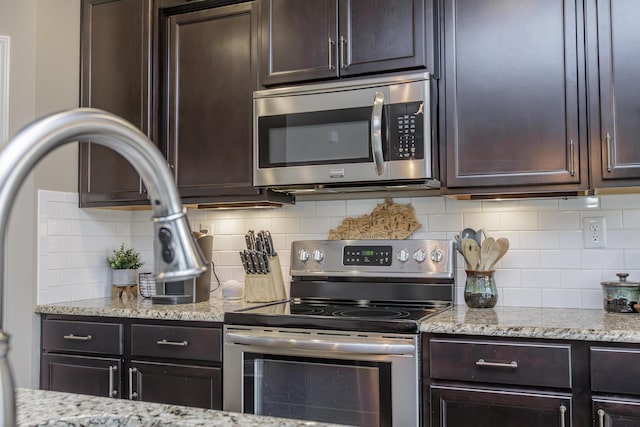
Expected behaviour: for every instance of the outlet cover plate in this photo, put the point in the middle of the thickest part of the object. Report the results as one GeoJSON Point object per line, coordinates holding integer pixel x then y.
{"type": "Point", "coordinates": [594, 232]}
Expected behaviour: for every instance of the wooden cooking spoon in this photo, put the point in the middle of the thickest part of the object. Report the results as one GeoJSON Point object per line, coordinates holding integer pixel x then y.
{"type": "Point", "coordinates": [471, 253]}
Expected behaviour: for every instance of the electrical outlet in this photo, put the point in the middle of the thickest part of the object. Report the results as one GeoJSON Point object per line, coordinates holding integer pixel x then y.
{"type": "Point", "coordinates": [594, 232]}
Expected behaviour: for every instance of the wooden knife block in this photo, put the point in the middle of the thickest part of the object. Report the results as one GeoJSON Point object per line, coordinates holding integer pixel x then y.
{"type": "Point", "coordinates": [265, 287]}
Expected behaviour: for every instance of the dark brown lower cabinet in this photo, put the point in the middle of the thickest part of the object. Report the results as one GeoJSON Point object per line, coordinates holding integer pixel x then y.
{"type": "Point", "coordinates": [176, 384]}
{"type": "Point", "coordinates": [173, 362]}
{"type": "Point", "coordinates": [616, 413]}
{"type": "Point", "coordinates": [463, 407]}
{"type": "Point", "coordinates": [96, 376]}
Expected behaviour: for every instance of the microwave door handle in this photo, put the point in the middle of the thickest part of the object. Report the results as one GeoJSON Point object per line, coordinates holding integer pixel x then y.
{"type": "Point", "coordinates": [376, 133]}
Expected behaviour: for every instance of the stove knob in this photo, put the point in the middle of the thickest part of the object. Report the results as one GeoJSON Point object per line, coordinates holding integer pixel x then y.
{"type": "Point", "coordinates": [419, 256]}
{"type": "Point", "coordinates": [318, 255]}
{"type": "Point", "coordinates": [436, 255]}
{"type": "Point", "coordinates": [403, 255]}
{"type": "Point", "coordinates": [303, 255]}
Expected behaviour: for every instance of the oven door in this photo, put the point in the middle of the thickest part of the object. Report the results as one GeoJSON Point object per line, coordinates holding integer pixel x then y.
{"type": "Point", "coordinates": [362, 379]}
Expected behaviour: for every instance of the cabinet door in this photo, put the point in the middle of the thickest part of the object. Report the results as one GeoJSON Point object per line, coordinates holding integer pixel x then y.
{"type": "Point", "coordinates": [511, 94]}
{"type": "Point", "coordinates": [185, 385]}
{"type": "Point", "coordinates": [616, 413]}
{"type": "Point", "coordinates": [298, 40]}
{"type": "Point", "coordinates": [115, 58]}
{"type": "Point", "coordinates": [617, 151]}
{"type": "Point", "coordinates": [95, 376]}
{"type": "Point", "coordinates": [381, 35]}
{"type": "Point", "coordinates": [464, 407]}
{"type": "Point", "coordinates": [211, 74]}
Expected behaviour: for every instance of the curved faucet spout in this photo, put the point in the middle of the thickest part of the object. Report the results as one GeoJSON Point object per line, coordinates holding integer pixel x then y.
{"type": "Point", "coordinates": [177, 255]}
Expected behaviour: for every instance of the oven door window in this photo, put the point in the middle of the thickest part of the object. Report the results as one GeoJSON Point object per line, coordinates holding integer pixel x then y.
{"type": "Point", "coordinates": [317, 138]}
{"type": "Point", "coordinates": [325, 390]}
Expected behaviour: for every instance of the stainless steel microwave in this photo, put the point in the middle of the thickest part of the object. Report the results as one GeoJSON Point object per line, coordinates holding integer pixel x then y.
{"type": "Point", "coordinates": [353, 134]}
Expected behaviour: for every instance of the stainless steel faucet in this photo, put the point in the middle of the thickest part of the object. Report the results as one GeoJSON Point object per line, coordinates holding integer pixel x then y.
{"type": "Point", "coordinates": [177, 256]}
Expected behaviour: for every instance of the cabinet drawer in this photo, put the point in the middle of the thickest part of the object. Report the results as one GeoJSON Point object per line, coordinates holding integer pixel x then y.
{"type": "Point", "coordinates": [501, 362]}
{"type": "Point", "coordinates": [82, 337]}
{"type": "Point", "coordinates": [176, 342]}
{"type": "Point", "coordinates": [615, 370]}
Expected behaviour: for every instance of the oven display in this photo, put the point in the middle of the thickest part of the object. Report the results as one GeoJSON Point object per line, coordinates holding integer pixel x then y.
{"type": "Point", "coordinates": [367, 255]}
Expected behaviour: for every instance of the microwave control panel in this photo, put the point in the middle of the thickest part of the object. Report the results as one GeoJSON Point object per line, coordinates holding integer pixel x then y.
{"type": "Point", "coordinates": [406, 131]}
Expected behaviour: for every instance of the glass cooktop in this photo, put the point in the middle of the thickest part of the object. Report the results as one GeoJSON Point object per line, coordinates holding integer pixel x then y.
{"type": "Point", "coordinates": [338, 315]}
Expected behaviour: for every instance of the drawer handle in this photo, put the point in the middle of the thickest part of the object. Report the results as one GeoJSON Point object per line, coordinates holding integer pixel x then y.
{"type": "Point", "coordinates": [512, 365]}
{"type": "Point", "coordinates": [77, 337]}
{"type": "Point", "coordinates": [601, 417]}
{"type": "Point", "coordinates": [174, 343]}
{"type": "Point", "coordinates": [563, 409]}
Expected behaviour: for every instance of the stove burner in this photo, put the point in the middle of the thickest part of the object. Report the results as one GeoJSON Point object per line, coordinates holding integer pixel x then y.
{"type": "Point", "coordinates": [373, 312]}
{"type": "Point", "coordinates": [307, 309]}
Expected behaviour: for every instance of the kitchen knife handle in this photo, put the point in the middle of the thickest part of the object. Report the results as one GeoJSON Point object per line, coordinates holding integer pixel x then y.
{"type": "Point", "coordinates": [512, 365]}
{"type": "Point", "coordinates": [112, 391]}
{"type": "Point", "coordinates": [376, 133]}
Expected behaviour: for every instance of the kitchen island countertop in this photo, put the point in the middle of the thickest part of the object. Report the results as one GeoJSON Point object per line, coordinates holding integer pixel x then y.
{"type": "Point", "coordinates": [40, 408]}
{"type": "Point", "coordinates": [526, 322]}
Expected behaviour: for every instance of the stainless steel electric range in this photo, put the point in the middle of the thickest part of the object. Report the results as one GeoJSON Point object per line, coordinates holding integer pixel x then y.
{"type": "Point", "coordinates": [344, 348]}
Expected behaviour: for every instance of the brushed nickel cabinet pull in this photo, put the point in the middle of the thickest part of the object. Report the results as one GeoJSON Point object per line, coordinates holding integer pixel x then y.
{"type": "Point", "coordinates": [343, 45]}
{"type": "Point", "coordinates": [608, 140]}
{"type": "Point", "coordinates": [174, 343]}
{"type": "Point", "coordinates": [112, 391]}
{"type": "Point", "coordinates": [77, 337]}
{"type": "Point", "coordinates": [601, 417]}
{"type": "Point", "coordinates": [331, 44]}
{"type": "Point", "coordinates": [571, 154]}
{"type": "Point", "coordinates": [563, 409]}
{"type": "Point", "coordinates": [132, 394]}
{"type": "Point", "coordinates": [512, 365]}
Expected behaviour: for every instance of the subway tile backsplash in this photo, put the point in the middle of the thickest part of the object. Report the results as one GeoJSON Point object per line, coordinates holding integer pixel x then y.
{"type": "Point", "coordinates": [546, 266]}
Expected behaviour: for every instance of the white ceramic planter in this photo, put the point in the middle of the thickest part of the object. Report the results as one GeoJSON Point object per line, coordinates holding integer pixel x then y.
{"type": "Point", "coordinates": [124, 277]}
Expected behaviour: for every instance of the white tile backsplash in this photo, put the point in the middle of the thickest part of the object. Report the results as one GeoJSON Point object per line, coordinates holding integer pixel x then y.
{"type": "Point", "coordinates": [546, 266]}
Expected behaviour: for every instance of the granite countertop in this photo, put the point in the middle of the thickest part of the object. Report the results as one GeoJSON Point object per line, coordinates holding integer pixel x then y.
{"type": "Point", "coordinates": [533, 322]}
{"type": "Point", "coordinates": [212, 310]}
{"type": "Point", "coordinates": [526, 322]}
{"type": "Point", "coordinates": [55, 409]}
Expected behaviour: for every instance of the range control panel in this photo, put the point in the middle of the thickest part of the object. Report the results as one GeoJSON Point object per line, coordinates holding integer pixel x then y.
{"type": "Point", "coordinates": [367, 255]}
{"type": "Point", "coordinates": [416, 258]}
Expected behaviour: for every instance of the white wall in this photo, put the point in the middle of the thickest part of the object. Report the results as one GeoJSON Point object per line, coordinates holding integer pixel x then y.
{"type": "Point", "coordinates": [39, 45]}
{"type": "Point", "coordinates": [546, 266]}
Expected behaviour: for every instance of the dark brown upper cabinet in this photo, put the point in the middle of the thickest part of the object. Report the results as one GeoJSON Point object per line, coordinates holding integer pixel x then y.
{"type": "Point", "coordinates": [613, 64]}
{"type": "Point", "coordinates": [512, 97]}
{"type": "Point", "coordinates": [114, 73]}
{"type": "Point", "coordinates": [306, 40]}
{"type": "Point", "coordinates": [208, 72]}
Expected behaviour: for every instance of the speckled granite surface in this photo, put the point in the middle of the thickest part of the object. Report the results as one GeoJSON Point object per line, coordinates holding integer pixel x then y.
{"type": "Point", "coordinates": [53, 409]}
{"type": "Point", "coordinates": [529, 322]}
{"type": "Point", "coordinates": [212, 310]}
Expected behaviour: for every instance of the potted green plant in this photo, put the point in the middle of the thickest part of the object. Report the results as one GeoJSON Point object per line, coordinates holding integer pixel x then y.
{"type": "Point", "coordinates": [124, 264]}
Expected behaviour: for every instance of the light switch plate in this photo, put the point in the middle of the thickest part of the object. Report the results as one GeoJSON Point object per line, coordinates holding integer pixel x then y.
{"type": "Point", "coordinates": [594, 232]}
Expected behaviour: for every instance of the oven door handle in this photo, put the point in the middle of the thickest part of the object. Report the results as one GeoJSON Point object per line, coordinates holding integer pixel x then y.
{"type": "Point", "coordinates": [375, 346]}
